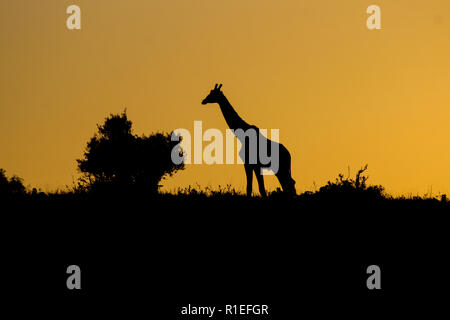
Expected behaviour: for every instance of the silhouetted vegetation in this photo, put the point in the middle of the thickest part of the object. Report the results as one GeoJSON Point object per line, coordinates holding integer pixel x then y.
{"type": "Point", "coordinates": [117, 161]}
{"type": "Point", "coordinates": [12, 187]}
{"type": "Point", "coordinates": [120, 164]}
{"type": "Point", "coordinates": [348, 188]}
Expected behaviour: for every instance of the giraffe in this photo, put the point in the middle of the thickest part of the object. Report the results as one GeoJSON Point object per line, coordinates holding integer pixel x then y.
{"type": "Point", "coordinates": [235, 122]}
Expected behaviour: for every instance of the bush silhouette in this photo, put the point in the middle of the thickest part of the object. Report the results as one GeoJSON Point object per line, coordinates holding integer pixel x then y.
{"type": "Point", "coordinates": [116, 160]}
{"type": "Point", "coordinates": [345, 188]}
{"type": "Point", "coordinates": [12, 187]}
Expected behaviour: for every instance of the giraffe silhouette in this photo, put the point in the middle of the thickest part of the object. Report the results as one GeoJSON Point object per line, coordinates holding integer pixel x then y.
{"type": "Point", "coordinates": [251, 148]}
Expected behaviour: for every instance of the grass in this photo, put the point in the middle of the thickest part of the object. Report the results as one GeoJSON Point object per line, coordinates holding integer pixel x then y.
{"type": "Point", "coordinates": [341, 189]}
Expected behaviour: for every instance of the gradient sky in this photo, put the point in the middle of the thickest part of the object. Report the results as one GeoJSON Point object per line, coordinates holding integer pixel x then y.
{"type": "Point", "coordinates": [341, 95]}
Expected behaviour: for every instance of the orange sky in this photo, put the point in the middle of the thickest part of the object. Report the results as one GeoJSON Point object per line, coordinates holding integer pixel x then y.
{"type": "Point", "coordinates": [340, 94]}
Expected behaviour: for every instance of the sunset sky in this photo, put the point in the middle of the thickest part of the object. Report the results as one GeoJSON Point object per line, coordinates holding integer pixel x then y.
{"type": "Point", "coordinates": [340, 94]}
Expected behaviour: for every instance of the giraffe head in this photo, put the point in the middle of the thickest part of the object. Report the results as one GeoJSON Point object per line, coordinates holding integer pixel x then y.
{"type": "Point", "coordinates": [214, 96]}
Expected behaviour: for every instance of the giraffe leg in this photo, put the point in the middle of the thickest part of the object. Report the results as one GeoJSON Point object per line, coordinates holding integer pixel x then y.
{"type": "Point", "coordinates": [260, 179]}
{"type": "Point", "coordinates": [249, 174]}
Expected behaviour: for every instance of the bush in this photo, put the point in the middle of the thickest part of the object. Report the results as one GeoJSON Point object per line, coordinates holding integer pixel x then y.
{"type": "Point", "coordinates": [343, 188]}
{"type": "Point", "coordinates": [11, 187]}
{"type": "Point", "coordinates": [116, 160]}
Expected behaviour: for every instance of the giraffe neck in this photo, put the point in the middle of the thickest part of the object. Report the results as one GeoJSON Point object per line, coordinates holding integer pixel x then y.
{"type": "Point", "coordinates": [231, 117]}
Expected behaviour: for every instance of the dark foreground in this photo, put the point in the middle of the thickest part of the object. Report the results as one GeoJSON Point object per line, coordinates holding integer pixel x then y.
{"type": "Point", "coordinates": [146, 259]}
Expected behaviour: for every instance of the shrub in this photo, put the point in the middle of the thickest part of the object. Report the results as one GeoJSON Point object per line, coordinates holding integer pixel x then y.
{"type": "Point", "coordinates": [116, 160]}
{"type": "Point", "coordinates": [343, 188]}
